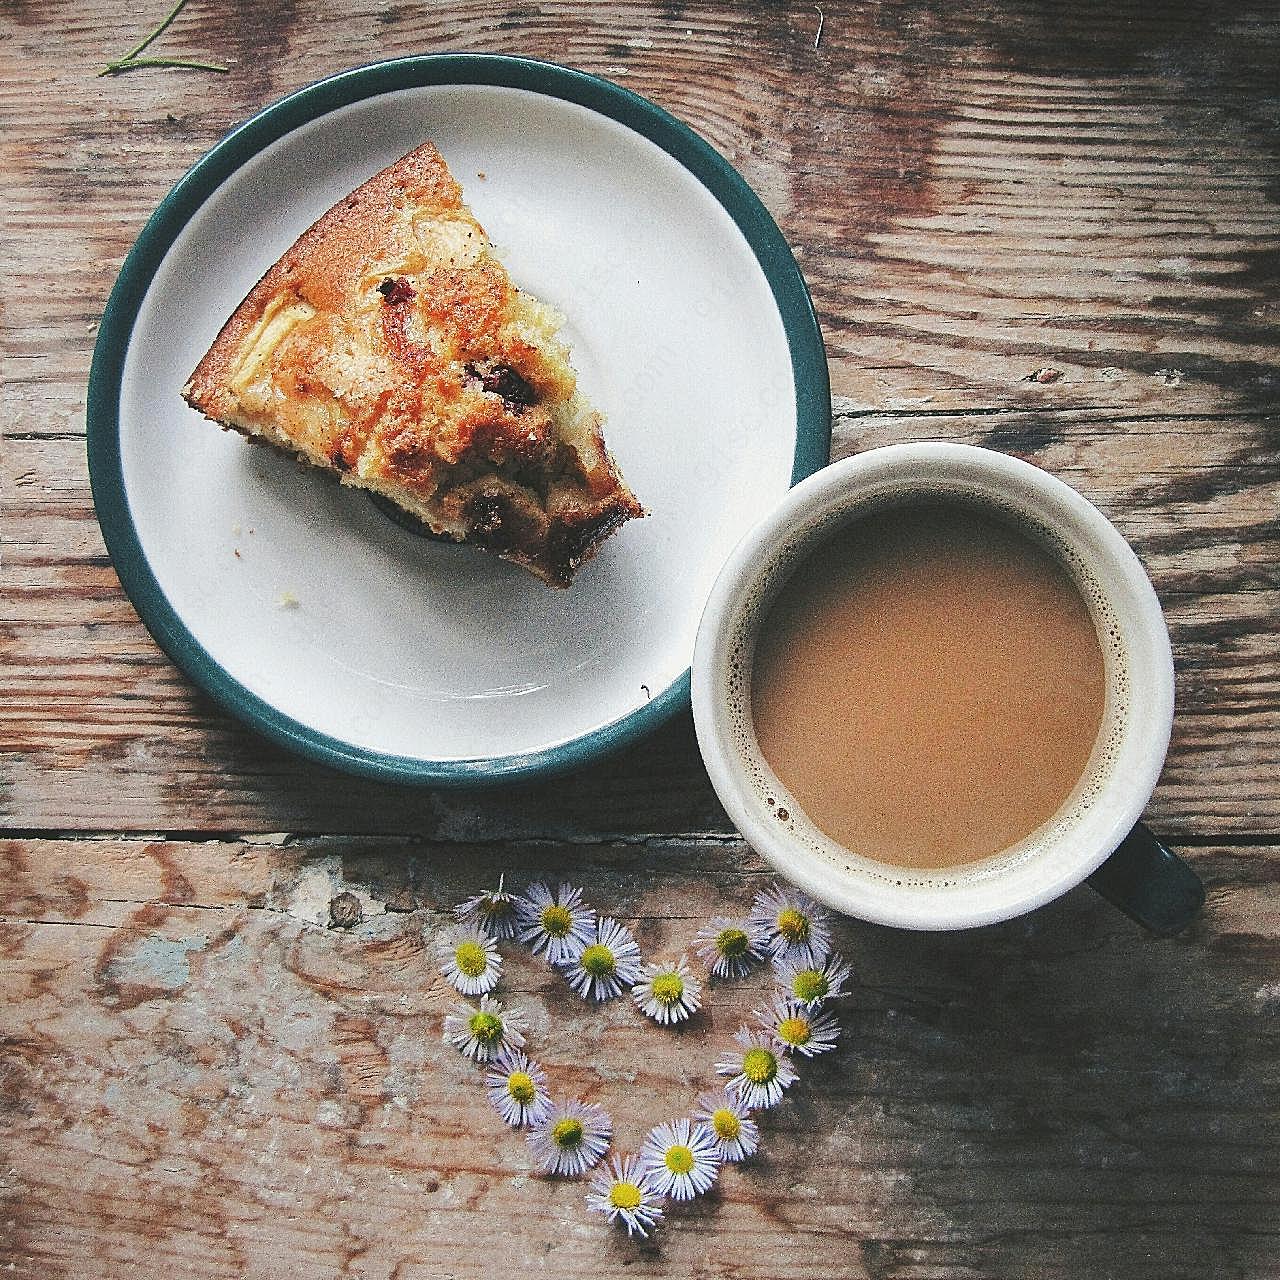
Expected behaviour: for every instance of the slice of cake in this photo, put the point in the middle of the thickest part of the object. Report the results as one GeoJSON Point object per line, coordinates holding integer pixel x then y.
{"type": "Point", "coordinates": [389, 345]}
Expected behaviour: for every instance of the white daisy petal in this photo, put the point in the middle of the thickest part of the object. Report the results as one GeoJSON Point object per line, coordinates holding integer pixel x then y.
{"type": "Point", "coordinates": [472, 962]}
{"type": "Point", "coordinates": [555, 924]}
{"type": "Point", "coordinates": [609, 962]}
{"type": "Point", "coordinates": [485, 1032]}
{"type": "Point", "coordinates": [667, 993]}
{"type": "Point", "coordinates": [729, 1120]}
{"type": "Point", "coordinates": [729, 947]}
{"type": "Point", "coordinates": [681, 1159]}
{"type": "Point", "coordinates": [626, 1194]}
{"type": "Point", "coordinates": [517, 1088]}
{"type": "Point", "coordinates": [760, 1073]}
{"type": "Point", "coordinates": [795, 1028]}
{"type": "Point", "coordinates": [494, 911]}
{"type": "Point", "coordinates": [795, 925]}
{"type": "Point", "coordinates": [812, 984]}
{"type": "Point", "coordinates": [571, 1138]}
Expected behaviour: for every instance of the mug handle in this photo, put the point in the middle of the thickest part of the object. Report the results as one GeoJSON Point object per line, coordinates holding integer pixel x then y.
{"type": "Point", "coordinates": [1150, 884]}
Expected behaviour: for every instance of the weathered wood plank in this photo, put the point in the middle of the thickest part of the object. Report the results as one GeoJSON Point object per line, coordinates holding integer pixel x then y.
{"type": "Point", "coordinates": [101, 732]}
{"type": "Point", "coordinates": [202, 1079]}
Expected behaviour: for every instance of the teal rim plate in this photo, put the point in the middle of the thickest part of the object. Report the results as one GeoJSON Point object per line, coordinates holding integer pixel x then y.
{"type": "Point", "coordinates": [338, 632]}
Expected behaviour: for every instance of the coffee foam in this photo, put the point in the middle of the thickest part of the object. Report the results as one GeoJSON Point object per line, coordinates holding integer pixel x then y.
{"type": "Point", "coordinates": [778, 800]}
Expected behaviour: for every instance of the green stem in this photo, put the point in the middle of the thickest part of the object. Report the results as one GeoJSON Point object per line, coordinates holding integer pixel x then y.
{"type": "Point", "coordinates": [131, 59]}
{"type": "Point", "coordinates": [159, 31]}
{"type": "Point", "coordinates": [129, 64]}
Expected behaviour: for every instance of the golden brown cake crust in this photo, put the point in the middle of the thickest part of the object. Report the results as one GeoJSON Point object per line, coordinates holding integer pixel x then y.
{"type": "Point", "coordinates": [390, 345]}
{"type": "Point", "coordinates": [326, 261]}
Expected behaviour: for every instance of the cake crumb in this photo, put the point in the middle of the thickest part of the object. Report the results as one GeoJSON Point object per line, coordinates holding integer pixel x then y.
{"type": "Point", "coordinates": [288, 600]}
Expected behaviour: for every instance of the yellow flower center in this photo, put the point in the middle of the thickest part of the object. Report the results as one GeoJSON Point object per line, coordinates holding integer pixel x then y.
{"type": "Point", "coordinates": [567, 1133]}
{"type": "Point", "coordinates": [486, 1027]}
{"type": "Point", "coordinates": [793, 925]}
{"type": "Point", "coordinates": [726, 1124]}
{"type": "Point", "coordinates": [598, 961]}
{"type": "Point", "coordinates": [668, 988]}
{"type": "Point", "coordinates": [809, 985]}
{"type": "Point", "coordinates": [494, 907]}
{"type": "Point", "coordinates": [731, 943]}
{"type": "Point", "coordinates": [521, 1088]}
{"type": "Point", "coordinates": [556, 920]}
{"type": "Point", "coordinates": [679, 1158]}
{"type": "Point", "coordinates": [794, 1031]}
{"type": "Point", "coordinates": [471, 959]}
{"type": "Point", "coordinates": [625, 1195]}
{"type": "Point", "coordinates": [759, 1066]}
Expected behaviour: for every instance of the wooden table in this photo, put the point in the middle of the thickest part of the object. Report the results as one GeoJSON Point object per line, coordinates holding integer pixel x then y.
{"type": "Point", "coordinates": [1051, 229]}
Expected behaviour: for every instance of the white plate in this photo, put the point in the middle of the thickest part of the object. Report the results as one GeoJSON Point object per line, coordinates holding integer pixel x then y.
{"type": "Point", "coordinates": [307, 611]}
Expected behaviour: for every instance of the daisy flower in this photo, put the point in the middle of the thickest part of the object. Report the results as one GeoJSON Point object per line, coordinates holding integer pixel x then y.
{"type": "Point", "coordinates": [680, 1159]}
{"type": "Point", "coordinates": [606, 964]}
{"type": "Point", "coordinates": [558, 923]}
{"type": "Point", "coordinates": [797, 1029]}
{"type": "Point", "coordinates": [811, 984]}
{"type": "Point", "coordinates": [730, 947]}
{"type": "Point", "coordinates": [485, 1032]}
{"type": "Point", "coordinates": [760, 1073]}
{"type": "Point", "coordinates": [571, 1138]}
{"type": "Point", "coordinates": [667, 992]}
{"type": "Point", "coordinates": [494, 910]}
{"type": "Point", "coordinates": [796, 927]}
{"type": "Point", "coordinates": [727, 1117]}
{"type": "Point", "coordinates": [517, 1087]}
{"type": "Point", "coordinates": [472, 961]}
{"type": "Point", "coordinates": [626, 1194]}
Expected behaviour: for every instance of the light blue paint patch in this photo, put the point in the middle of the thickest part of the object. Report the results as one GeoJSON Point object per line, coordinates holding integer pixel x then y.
{"type": "Point", "coordinates": [158, 962]}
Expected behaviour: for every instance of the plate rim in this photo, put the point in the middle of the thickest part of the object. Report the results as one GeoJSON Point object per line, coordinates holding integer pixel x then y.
{"type": "Point", "coordinates": [102, 411]}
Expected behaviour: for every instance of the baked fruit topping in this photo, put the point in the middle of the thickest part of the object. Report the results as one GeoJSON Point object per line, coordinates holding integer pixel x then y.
{"type": "Point", "coordinates": [390, 346]}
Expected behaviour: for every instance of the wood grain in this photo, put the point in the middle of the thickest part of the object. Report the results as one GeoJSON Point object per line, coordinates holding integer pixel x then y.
{"type": "Point", "coordinates": [198, 1068]}
{"type": "Point", "coordinates": [1048, 229]}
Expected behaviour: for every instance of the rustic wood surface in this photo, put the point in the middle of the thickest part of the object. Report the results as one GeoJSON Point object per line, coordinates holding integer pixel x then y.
{"type": "Point", "coordinates": [1052, 229]}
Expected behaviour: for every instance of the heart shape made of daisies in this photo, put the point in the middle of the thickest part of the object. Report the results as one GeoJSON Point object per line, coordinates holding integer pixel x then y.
{"type": "Point", "coordinates": [601, 960]}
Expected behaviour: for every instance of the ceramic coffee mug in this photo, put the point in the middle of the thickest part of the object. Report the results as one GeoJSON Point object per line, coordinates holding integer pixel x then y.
{"type": "Point", "coordinates": [1096, 835]}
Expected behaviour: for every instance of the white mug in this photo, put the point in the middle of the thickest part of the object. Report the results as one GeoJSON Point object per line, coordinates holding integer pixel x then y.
{"type": "Point", "coordinates": [1096, 835]}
